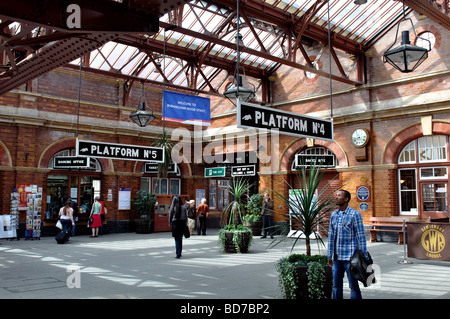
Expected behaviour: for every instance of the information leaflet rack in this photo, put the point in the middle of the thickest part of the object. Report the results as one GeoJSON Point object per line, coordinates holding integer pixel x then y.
{"type": "Point", "coordinates": [33, 220]}
{"type": "Point", "coordinates": [14, 219]}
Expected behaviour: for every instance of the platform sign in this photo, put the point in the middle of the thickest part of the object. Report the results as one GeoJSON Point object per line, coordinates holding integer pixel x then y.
{"type": "Point", "coordinates": [261, 117]}
{"type": "Point", "coordinates": [215, 172]}
{"type": "Point", "coordinates": [120, 151]}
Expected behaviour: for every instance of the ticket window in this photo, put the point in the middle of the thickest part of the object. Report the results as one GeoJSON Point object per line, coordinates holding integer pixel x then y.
{"type": "Point", "coordinates": [82, 190]}
{"type": "Point", "coordinates": [82, 184]}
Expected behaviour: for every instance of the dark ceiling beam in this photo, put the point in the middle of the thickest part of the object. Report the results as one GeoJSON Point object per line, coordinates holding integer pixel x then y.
{"type": "Point", "coordinates": [141, 80]}
{"type": "Point", "coordinates": [94, 16]}
{"type": "Point", "coordinates": [260, 54]}
{"type": "Point", "coordinates": [427, 8]}
{"type": "Point", "coordinates": [51, 57]}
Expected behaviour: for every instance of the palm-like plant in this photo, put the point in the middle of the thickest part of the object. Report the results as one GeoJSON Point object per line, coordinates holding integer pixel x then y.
{"type": "Point", "coordinates": [232, 214]}
{"type": "Point", "coordinates": [309, 206]}
{"type": "Point", "coordinates": [165, 143]}
{"type": "Point", "coordinates": [233, 230]}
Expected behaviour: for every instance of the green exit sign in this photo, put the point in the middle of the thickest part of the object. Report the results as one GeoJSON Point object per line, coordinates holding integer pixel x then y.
{"type": "Point", "coordinates": [215, 172]}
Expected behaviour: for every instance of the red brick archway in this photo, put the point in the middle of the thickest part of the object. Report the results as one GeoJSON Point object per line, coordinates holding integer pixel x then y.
{"type": "Point", "coordinates": [5, 156]}
{"type": "Point", "coordinates": [288, 156]}
{"type": "Point", "coordinates": [399, 141]}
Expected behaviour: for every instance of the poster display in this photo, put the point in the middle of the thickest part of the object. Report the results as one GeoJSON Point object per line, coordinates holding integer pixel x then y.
{"type": "Point", "coordinates": [24, 191]}
{"type": "Point", "coordinates": [6, 229]}
{"type": "Point", "coordinates": [124, 198]}
{"type": "Point", "coordinates": [294, 195]}
{"type": "Point", "coordinates": [199, 194]}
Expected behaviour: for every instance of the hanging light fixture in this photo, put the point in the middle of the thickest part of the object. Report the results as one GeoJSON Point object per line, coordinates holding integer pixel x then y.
{"type": "Point", "coordinates": [360, 2]}
{"type": "Point", "coordinates": [236, 90]}
{"type": "Point", "coordinates": [406, 57]}
{"type": "Point", "coordinates": [142, 116]}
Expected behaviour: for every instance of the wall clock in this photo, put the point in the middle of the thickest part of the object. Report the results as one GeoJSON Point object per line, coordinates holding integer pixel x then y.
{"type": "Point", "coordinates": [360, 137]}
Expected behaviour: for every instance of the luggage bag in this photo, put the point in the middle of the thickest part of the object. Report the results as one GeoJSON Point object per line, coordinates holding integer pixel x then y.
{"type": "Point", "coordinates": [62, 237]}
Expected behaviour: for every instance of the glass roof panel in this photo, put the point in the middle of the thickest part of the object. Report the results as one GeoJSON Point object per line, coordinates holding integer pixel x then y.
{"type": "Point", "coordinates": [357, 23]}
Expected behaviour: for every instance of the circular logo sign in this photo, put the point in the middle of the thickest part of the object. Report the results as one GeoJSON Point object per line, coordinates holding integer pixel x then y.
{"type": "Point", "coordinates": [364, 206]}
{"type": "Point", "coordinates": [362, 193]}
{"type": "Point", "coordinates": [433, 241]}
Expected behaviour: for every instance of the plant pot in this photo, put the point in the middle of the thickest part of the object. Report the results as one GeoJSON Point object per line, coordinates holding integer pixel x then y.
{"type": "Point", "coordinates": [230, 247]}
{"type": "Point", "coordinates": [255, 227]}
{"type": "Point", "coordinates": [143, 226]}
{"type": "Point", "coordinates": [302, 283]}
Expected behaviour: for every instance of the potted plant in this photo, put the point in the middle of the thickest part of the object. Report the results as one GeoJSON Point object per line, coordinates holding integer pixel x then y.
{"type": "Point", "coordinates": [308, 216]}
{"type": "Point", "coordinates": [253, 218]}
{"type": "Point", "coordinates": [145, 206]}
{"type": "Point", "coordinates": [233, 236]}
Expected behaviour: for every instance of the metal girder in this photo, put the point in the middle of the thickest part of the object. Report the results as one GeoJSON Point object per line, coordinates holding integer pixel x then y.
{"type": "Point", "coordinates": [137, 79]}
{"type": "Point", "coordinates": [51, 57]}
{"type": "Point", "coordinates": [260, 54]}
{"type": "Point", "coordinates": [81, 15]}
{"type": "Point", "coordinates": [437, 12]}
{"type": "Point", "coordinates": [276, 16]}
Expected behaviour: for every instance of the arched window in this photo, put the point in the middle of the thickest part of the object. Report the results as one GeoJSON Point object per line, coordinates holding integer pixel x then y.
{"type": "Point", "coordinates": [423, 167]}
{"type": "Point", "coordinates": [319, 151]}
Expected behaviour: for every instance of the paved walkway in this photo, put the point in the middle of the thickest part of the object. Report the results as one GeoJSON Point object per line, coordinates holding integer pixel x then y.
{"type": "Point", "coordinates": [128, 266]}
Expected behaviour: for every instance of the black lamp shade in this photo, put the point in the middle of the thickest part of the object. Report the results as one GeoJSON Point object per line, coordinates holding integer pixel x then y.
{"type": "Point", "coordinates": [142, 117]}
{"type": "Point", "coordinates": [406, 57]}
{"type": "Point", "coordinates": [234, 92]}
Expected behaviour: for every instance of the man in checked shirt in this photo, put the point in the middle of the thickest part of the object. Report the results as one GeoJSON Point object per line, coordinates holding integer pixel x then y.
{"type": "Point", "coordinates": [345, 236]}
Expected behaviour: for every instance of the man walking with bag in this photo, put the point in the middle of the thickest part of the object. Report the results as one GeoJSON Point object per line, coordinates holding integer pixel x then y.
{"type": "Point", "coordinates": [345, 236]}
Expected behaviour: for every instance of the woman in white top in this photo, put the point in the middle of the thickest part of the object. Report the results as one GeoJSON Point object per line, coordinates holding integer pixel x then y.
{"type": "Point", "coordinates": [66, 216]}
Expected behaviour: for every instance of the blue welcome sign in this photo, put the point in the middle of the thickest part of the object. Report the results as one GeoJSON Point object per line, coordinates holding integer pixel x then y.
{"type": "Point", "coordinates": [186, 109]}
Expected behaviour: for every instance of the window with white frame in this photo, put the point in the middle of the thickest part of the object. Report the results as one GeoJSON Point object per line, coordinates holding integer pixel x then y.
{"type": "Point", "coordinates": [408, 154]}
{"type": "Point", "coordinates": [424, 187]}
{"type": "Point", "coordinates": [432, 149]}
{"type": "Point", "coordinates": [408, 191]}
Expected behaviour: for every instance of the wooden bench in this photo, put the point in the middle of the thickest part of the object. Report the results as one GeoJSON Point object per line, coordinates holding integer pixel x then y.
{"type": "Point", "coordinates": [387, 224]}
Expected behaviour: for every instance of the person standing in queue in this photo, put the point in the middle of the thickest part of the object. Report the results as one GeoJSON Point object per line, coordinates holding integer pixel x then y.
{"type": "Point", "coordinates": [95, 214]}
{"type": "Point", "coordinates": [267, 214]}
{"type": "Point", "coordinates": [203, 211]}
{"type": "Point", "coordinates": [178, 220]}
{"type": "Point", "coordinates": [191, 212]}
{"type": "Point", "coordinates": [345, 236]}
{"type": "Point", "coordinates": [75, 214]}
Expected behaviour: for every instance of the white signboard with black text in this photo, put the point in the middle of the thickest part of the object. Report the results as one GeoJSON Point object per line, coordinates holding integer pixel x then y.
{"type": "Point", "coordinates": [244, 170]}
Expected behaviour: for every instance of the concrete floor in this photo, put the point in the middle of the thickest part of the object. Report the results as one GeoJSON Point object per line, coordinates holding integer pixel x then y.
{"type": "Point", "coordinates": [129, 266]}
